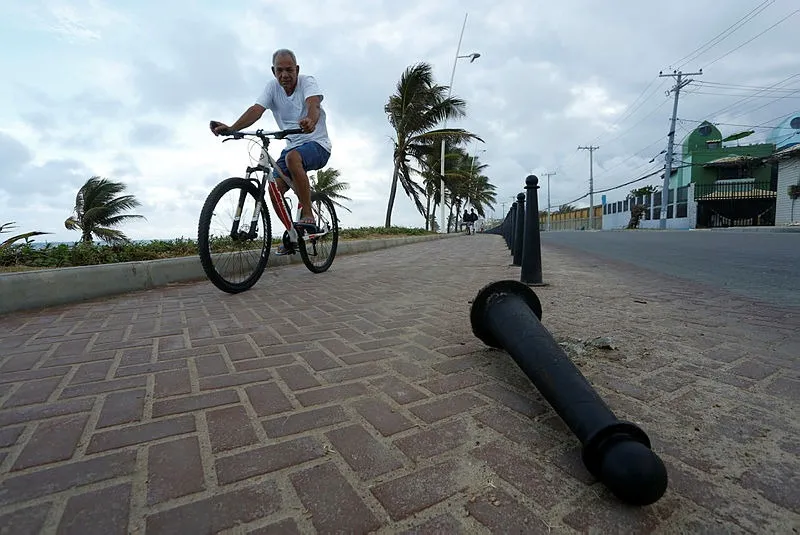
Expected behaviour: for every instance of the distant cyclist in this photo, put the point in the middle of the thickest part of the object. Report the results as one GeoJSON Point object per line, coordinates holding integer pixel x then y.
{"type": "Point", "coordinates": [296, 102]}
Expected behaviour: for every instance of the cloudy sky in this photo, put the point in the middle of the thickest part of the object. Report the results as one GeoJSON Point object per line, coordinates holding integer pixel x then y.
{"type": "Point", "coordinates": [125, 90]}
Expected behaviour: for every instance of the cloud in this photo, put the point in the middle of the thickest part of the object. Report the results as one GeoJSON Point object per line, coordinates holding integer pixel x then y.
{"type": "Point", "coordinates": [72, 21]}
{"type": "Point", "coordinates": [127, 92]}
{"type": "Point", "coordinates": [201, 62]}
{"type": "Point", "coordinates": [13, 156]}
{"type": "Point", "coordinates": [50, 179]}
{"type": "Point", "coordinates": [147, 133]}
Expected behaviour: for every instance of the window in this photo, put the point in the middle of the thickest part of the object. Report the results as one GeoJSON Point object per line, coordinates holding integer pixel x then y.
{"type": "Point", "coordinates": [681, 210]}
{"type": "Point", "coordinates": [656, 200]}
{"type": "Point", "coordinates": [704, 130]}
{"type": "Point", "coordinates": [614, 207]}
{"type": "Point", "coordinates": [683, 194]}
{"type": "Point", "coordinates": [619, 206]}
{"type": "Point", "coordinates": [669, 211]}
{"type": "Point", "coordinates": [625, 205]}
{"type": "Point", "coordinates": [795, 123]}
{"type": "Point", "coordinates": [657, 212]}
{"type": "Point", "coordinates": [728, 173]}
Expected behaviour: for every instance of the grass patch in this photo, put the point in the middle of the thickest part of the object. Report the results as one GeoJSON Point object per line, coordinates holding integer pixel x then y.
{"type": "Point", "coordinates": [30, 256]}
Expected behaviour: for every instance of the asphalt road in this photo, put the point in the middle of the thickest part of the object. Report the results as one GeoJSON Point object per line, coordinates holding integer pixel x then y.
{"type": "Point", "coordinates": [759, 265]}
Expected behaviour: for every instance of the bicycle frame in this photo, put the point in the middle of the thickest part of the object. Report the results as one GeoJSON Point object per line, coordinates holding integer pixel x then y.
{"type": "Point", "coordinates": [268, 166]}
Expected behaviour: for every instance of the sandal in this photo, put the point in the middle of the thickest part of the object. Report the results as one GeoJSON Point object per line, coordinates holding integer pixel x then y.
{"type": "Point", "coordinates": [282, 251]}
{"type": "Point", "coordinates": [308, 224]}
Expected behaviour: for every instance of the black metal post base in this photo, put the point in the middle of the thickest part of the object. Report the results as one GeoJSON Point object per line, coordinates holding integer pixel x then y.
{"type": "Point", "coordinates": [506, 315]}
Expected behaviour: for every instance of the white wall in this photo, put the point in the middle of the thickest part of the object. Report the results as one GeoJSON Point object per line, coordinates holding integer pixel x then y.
{"type": "Point", "coordinates": [621, 219]}
{"type": "Point", "coordinates": [788, 174]}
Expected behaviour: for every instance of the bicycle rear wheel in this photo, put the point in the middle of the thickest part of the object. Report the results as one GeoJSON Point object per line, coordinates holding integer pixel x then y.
{"type": "Point", "coordinates": [233, 252]}
{"type": "Point", "coordinates": [318, 250]}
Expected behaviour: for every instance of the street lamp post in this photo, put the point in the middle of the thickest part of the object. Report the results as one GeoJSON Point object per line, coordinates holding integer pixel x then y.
{"type": "Point", "coordinates": [472, 57]}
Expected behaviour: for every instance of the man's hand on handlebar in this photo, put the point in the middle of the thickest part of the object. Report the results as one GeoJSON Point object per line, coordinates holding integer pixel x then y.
{"type": "Point", "coordinates": [218, 128]}
{"type": "Point", "coordinates": [307, 125]}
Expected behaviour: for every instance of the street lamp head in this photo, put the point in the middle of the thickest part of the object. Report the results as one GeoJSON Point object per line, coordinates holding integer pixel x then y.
{"type": "Point", "coordinates": [472, 57]}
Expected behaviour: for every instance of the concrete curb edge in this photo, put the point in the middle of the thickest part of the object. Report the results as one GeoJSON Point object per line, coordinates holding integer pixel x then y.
{"type": "Point", "coordinates": [38, 289]}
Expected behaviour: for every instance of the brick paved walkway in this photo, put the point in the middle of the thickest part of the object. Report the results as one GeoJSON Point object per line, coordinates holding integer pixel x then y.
{"type": "Point", "coordinates": [359, 400]}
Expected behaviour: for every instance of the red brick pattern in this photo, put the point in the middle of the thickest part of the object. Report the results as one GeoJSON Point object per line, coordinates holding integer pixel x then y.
{"type": "Point", "coordinates": [360, 400]}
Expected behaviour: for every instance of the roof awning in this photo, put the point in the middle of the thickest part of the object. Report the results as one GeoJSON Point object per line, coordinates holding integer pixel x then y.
{"type": "Point", "coordinates": [731, 161]}
{"type": "Point", "coordinates": [728, 195]}
{"type": "Point", "coordinates": [790, 152]}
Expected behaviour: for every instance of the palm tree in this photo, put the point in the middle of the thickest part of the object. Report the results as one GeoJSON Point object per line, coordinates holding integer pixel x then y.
{"type": "Point", "coordinates": [7, 227]}
{"type": "Point", "coordinates": [417, 106]}
{"type": "Point", "coordinates": [327, 181]}
{"type": "Point", "coordinates": [97, 208]}
{"type": "Point", "coordinates": [482, 194]}
{"type": "Point", "coordinates": [467, 184]}
{"type": "Point", "coordinates": [565, 209]}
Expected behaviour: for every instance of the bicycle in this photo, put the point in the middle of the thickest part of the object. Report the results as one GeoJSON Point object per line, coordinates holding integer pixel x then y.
{"type": "Point", "coordinates": [240, 239]}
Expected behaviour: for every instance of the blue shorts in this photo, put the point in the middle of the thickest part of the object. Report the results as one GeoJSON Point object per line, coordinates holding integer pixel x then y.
{"type": "Point", "coordinates": [314, 157]}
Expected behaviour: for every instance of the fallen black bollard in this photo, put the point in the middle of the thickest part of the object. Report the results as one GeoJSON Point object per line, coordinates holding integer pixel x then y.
{"type": "Point", "coordinates": [506, 315]}
{"type": "Point", "coordinates": [519, 230]}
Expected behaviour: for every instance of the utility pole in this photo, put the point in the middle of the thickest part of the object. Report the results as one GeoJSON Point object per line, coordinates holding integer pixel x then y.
{"type": "Point", "coordinates": [679, 84]}
{"type": "Point", "coordinates": [548, 175]}
{"type": "Point", "coordinates": [591, 150]}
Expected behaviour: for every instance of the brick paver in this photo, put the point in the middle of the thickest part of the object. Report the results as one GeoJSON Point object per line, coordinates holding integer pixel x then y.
{"type": "Point", "coordinates": [359, 400]}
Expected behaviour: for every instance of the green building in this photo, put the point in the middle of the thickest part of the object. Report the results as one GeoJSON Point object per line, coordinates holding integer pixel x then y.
{"type": "Point", "coordinates": [733, 184]}
{"type": "Point", "coordinates": [707, 157]}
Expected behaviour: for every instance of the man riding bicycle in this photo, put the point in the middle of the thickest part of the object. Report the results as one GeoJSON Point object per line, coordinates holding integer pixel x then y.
{"type": "Point", "coordinates": [295, 101]}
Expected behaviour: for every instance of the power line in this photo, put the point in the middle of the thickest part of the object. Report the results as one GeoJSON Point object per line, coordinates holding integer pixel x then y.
{"type": "Point", "coordinates": [632, 108]}
{"type": "Point", "coordinates": [737, 86]}
{"type": "Point", "coordinates": [573, 200]}
{"type": "Point", "coordinates": [606, 171]}
{"type": "Point", "coordinates": [733, 105]}
{"type": "Point", "coordinates": [645, 177]}
{"type": "Point", "coordinates": [788, 95]}
{"type": "Point", "coordinates": [721, 37]}
{"type": "Point", "coordinates": [781, 116]}
{"type": "Point", "coordinates": [624, 132]}
{"type": "Point", "coordinates": [796, 11]}
{"type": "Point", "coordinates": [764, 105]}
{"type": "Point", "coordinates": [742, 125]}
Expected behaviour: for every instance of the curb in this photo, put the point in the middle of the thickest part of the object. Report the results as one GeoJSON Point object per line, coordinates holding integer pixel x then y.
{"type": "Point", "coordinates": [782, 228]}
{"type": "Point", "coordinates": [38, 289]}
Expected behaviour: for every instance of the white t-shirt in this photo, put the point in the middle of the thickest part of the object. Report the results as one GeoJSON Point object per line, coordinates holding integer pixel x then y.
{"type": "Point", "coordinates": [289, 109]}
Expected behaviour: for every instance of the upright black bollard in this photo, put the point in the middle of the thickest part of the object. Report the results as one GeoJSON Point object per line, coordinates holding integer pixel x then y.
{"type": "Point", "coordinates": [519, 230]}
{"type": "Point", "coordinates": [506, 315]}
{"type": "Point", "coordinates": [513, 226]}
{"type": "Point", "coordinates": [506, 227]}
{"type": "Point", "coordinates": [531, 272]}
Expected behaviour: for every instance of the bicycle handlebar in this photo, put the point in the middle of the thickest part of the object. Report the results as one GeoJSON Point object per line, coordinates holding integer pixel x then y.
{"type": "Point", "coordinates": [239, 134]}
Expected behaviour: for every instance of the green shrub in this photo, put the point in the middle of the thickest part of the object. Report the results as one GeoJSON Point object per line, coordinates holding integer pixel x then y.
{"type": "Point", "coordinates": [26, 255]}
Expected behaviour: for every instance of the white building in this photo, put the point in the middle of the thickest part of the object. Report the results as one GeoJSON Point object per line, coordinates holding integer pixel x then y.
{"type": "Point", "coordinates": [787, 208]}
{"type": "Point", "coordinates": [617, 214]}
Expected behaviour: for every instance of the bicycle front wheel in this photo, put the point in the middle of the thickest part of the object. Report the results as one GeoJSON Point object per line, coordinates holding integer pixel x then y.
{"type": "Point", "coordinates": [234, 235]}
{"type": "Point", "coordinates": [319, 249]}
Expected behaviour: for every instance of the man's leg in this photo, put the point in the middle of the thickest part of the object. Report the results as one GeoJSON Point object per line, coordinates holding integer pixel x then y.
{"type": "Point", "coordinates": [282, 186]}
{"type": "Point", "coordinates": [294, 161]}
